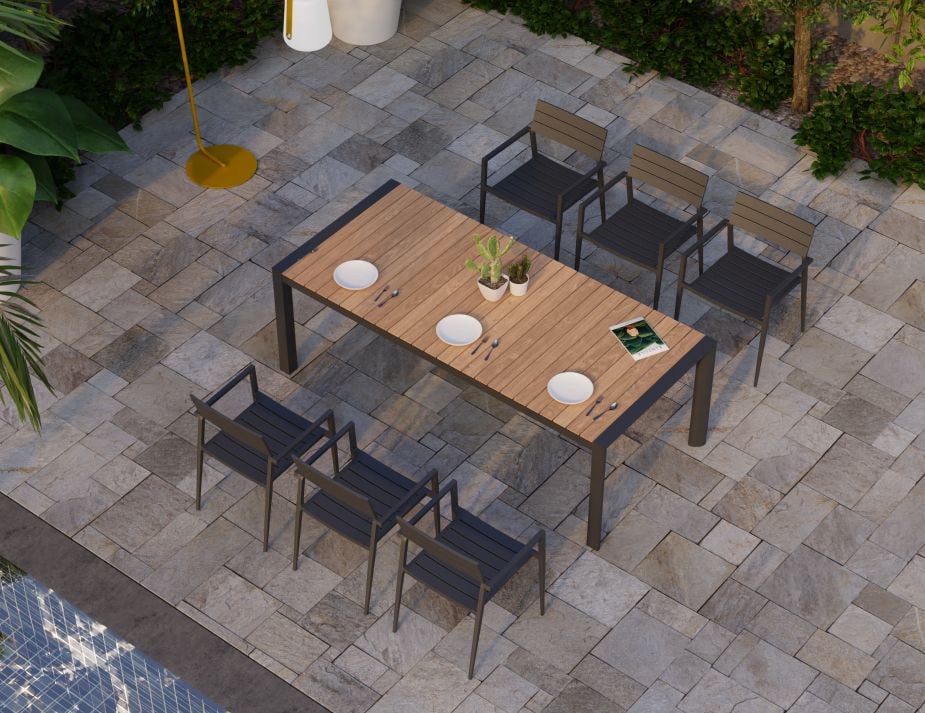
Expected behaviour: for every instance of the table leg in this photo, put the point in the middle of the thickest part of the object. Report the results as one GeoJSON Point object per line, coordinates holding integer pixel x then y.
{"type": "Point", "coordinates": [285, 325]}
{"type": "Point", "coordinates": [700, 404]}
{"type": "Point", "coordinates": [596, 499]}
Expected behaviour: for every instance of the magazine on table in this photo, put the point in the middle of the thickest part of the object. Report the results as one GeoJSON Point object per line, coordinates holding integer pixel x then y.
{"type": "Point", "coordinates": [638, 338]}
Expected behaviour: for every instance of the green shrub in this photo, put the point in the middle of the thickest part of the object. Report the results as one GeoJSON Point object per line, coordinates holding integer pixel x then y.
{"type": "Point", "coordinates": [884, 127]}
{"type": "Point", "coordinates": [125, 63]}
{"type": "Point", "coordinates": [765, 76]}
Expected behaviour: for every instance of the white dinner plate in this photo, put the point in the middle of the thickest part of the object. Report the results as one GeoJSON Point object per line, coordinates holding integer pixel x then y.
{"type": "Point", "coordinates": [356, 274]}
{"type": "Point", "coordinates": [458, 330]}
{"type": "Point", "coordinates": [570, 387]}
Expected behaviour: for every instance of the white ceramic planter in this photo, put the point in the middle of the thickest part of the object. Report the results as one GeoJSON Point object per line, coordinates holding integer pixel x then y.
{"type": "Point", "coordinates": [11, 254]}
{"type": "Point", "coordinates": [311, 25]}
{"type": "Point", "coordinates": [364, 22]}
{"type": "Point", "coordinates": [519, 289]}
{"type": "Point", "coordinates": [490, 294]}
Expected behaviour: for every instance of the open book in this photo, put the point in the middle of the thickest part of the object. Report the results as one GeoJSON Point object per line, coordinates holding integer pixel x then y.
{"type": "Point", "coordinates": [638, 338]}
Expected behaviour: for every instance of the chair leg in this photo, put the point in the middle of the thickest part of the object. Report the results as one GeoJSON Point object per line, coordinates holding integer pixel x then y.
{"type": "Point", "coordinates": [541, 573]}
{"type": "Point", "coordinates": [399, 582]}
{"type": "Point", "coordinates": [804, 283]}
{"type": "Point", "coordinates": [200, 457]}
{"type": "Point", "coordinates": [761, 340]}
{"type": "Point", "coordinates": [578, 249]}
{"type": "Point", "coordinates": [482, 203]}
{"type": "Point", "coordinates": [700, 259]}
{"type": "Point", "coordinates": [558, 235]}
{"type": "Point", "coordinates": [658, 283]}
{"type": "Point", "coordinates": [370, 566]}
{"type": "Point", "coordinates": [677, 299]}
{"type": "Point", "coordinates": [600, 184]}
{"type": "Point", "coordinates": [476, 630]}
{"type": "Point", "coordinates": [266, 515]}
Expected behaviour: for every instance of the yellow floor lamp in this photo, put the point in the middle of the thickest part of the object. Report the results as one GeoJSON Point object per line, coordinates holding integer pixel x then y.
{"type": "Point", "coordinates": [226, 165]}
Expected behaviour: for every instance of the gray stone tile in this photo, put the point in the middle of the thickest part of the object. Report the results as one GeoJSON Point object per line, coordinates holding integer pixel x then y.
{"type": "Point", "coordinates": [794, 518]}
{"type": "Point", "coordinates": [675, 470]}
{"type": "Point", "coordinates": [840, 535]}
{"type": "Point", "coordinates": [847, 471]}
{"type": "Point", "coordinates": [780, 628]}
{"type": "Point", "coordinates": [606, 680]}
{"type": "Point", "coordinates": [902, 672]}
{"type": "Point", "coordinates": [683, 571]}
{"type": "Point", "coordinates": [716, 693]}
{"type": "Point", "coordinates": [774, 675]}
{"type": "Point", "coordinates": [133, 353]}
{"type": "Point", "coordinates": [641, 647]}
{"type": "Point", "coordinates": [733, 606]}
{"type": "Point", "coordinates": [898, 366]}
{"type": "Point", "coordinates": [335, 689]}
{"type": "Point", "coordinates": [142, 513]}
{"type": "Point", "coordinates": [680, 515]}
{"type": "Point", "coordinates": [826, 357]}
{"type": "Point", "coordinates": [562, 637]}
{"type": "Point", "coordinates": [746, 504]}
{"type": "Point", "coordinates": [613, 595]}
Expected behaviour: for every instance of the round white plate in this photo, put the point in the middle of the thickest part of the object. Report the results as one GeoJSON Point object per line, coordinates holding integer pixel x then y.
{"type": "Point", "coordinates": [458, 330]}
{"type": "Point", "coordinates": [570, 387]}
{"type": "Point", "coordinates": [356, 274]}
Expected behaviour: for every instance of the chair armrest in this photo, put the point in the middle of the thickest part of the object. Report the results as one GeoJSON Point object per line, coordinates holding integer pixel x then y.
{"type": "Point", "coordinates": [326, 446]}
{"type": "Point", "coordinates": [326, 416]}
{"type": "Point", "coordinates": [450, 487]}
{"type": "Point", "coordinates": [578, 181]}
{"type": "Point", "coordinates": [712, 233]}
{"type": "Point", "coordinates": [498, 149]}
{"type": "Point", "coordinates": [606, 187]}
{"type": "Point", "coordinates": [411, 497]}
{"type": "Point", "coordinates": [525, 553]}
{"type": "Point", "coordinates": [232, 382]}
{"type": "Point", "coordinates": [789, 281]}
{"type": "Point", "coordinates": [683, 229]}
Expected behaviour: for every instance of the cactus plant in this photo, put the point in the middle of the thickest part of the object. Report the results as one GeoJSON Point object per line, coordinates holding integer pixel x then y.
{"type": "Point", "coordinates": [519, 270]}
{"type": "Point", "coordinates": [491, 252]}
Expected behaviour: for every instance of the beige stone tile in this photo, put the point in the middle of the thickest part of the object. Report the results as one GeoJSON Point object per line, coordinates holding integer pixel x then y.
{"type": "Point", "coordinates": [837, 659]}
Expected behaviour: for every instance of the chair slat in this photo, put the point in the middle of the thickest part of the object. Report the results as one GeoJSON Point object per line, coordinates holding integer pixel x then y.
{"type": "Point", "coordinates": [566, 128]}
{"type": "Point", "coordinates": [772, 224]}
{"type": "Point", "coordinates": [669, 175]}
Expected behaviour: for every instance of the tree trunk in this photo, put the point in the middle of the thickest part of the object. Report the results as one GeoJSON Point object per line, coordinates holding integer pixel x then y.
{"type": "Point", "coordinates": [802, 48]}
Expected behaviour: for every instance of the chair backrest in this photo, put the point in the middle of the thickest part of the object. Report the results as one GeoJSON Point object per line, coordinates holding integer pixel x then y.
{"type": "Point", "coordinates": [341, 492]}
{"type": "Point", "coordinates": [447, 556]}
{"type": "Point", "coordinates": [674, 177]}
{"type": "Point", "coordinates": [240, 433]}
{"type": "Point", "coordinates": [565, 128]}
{"type": "Point", "coordinates": [772, 224]}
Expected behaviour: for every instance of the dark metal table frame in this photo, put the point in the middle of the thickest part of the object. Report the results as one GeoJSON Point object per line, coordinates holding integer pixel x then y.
{"type": "Point", "coordinates": [702, 357]}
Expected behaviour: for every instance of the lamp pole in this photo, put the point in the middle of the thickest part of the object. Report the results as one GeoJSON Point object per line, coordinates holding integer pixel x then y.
{"type": "Point", "coordinates": [219, 166]}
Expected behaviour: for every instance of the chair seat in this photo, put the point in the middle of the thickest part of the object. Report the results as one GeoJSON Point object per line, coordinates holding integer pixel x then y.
{"type": "Point", "coordinates": [383, 486]}
{"type": "Point", "coordinates": [535, 185]}
{"type": "Point", "coordinates": [635, 232]}
{"type": "Point", "coordinates": [278, 425]}
{"type": "Point", "coordinates": [740, 282]}
{"type": "Point", "coordinates": [479, 541]}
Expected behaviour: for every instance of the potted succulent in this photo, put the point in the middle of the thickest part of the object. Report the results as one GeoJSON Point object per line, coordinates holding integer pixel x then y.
{"type": "Point", "coordinates": [518, 272]}
{"type": "Point", "coordinates": [492, 283]}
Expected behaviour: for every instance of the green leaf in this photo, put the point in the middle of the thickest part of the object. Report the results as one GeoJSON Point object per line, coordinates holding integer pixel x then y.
{"type": "Point", "coordinates": [93, 134]}
{"type": "Point", "coordinates": [17, 194]}
{"type": "Point", "coordinates": [37, 121]}
{"type": "Point", "coordinates": [19, 71]}
{"type": "Point", "coordinates": [45, 189]}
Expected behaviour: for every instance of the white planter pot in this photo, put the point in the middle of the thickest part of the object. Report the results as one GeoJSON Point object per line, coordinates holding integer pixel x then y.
{"type": "Point", "coordinates": [490, 294]}
{"type": "Point", "coordinates": [519, 289]}
{"type": "Point", "coordinates": [364, 22]}
{"type": "Point", "coordinates": [11, 252]}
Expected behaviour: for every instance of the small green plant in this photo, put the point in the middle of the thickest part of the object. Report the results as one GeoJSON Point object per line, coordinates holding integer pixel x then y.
{"type": "Point", "coordinates": [491, 253]}
{"type": "Point", "coordinates": [519, 270]}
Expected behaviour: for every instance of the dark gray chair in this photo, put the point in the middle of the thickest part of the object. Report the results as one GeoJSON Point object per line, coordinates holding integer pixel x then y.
{"type": "Point", "coordinates": [638, 232]}
{"type": "Point", "coordinates": [260, 442]}
{"type": "Point", "coordinates": [743, 283]}
{"type": "Point", "coordinates": [468, 561]}
{"type": "Point", "coordinates": [544, 186]}
{"type": "Point", "coordinates": [361, 502]}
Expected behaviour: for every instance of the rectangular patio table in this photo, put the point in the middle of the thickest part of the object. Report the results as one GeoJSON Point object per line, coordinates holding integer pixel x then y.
{"type": "Point", "coordinates": [420, 245]}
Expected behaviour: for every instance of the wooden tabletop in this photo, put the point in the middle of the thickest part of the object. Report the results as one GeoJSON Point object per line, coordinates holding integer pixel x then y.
{"type": "Point", "coordinates": [420, 246]}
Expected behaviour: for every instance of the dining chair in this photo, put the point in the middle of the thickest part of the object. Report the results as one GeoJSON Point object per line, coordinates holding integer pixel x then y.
{"type": "Point", "coordinates": [639, 232]}
{"type": "Point", "coordinates": [468, 561]}
{"type": "Point", "coordinates": [362, 500]}
{"type": "Point", "coordinates": [744, 283]}
{"type": "Point", "coordinates": [259, 443]}
{"type": "Point", "coordinates": [543, 186]}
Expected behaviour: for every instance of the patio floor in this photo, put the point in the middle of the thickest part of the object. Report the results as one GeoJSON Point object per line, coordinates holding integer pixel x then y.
{"type": "Point", "coordinates": [779, 567]}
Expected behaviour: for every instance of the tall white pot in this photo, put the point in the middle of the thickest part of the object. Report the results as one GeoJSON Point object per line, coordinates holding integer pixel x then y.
{"type": "Point", "coordinates": [11, 251]}
{"type": "Point", "coordinates": [364, 22]}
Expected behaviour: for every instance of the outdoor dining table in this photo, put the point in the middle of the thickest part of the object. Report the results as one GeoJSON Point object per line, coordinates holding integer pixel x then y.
{"type": "Point", "coordinates": [420, 245]}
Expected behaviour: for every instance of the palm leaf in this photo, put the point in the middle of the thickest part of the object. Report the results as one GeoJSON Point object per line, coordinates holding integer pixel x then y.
{"type": "Point", "coordinates": [20, 350]}
{"type": "Point", "coordinates": [31, 21]}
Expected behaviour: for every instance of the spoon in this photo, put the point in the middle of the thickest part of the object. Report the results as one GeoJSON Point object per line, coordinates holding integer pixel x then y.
{"type": "Point", "coordinates": [479, 345]}
{"type": "Point", "coordinates": [381, 292]}
{"type": "Point", "coordinates": [613, 407]}
{"type": "Point", "coordinates": [494, 344]}
{"type": "Point", "coordinates": [594, 405]}
{"type": "Point", "coordinates": [394, 294]}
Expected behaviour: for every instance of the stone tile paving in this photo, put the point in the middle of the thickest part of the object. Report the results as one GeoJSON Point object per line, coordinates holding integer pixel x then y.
{"type": "Point", "coordinates": [780, 566]}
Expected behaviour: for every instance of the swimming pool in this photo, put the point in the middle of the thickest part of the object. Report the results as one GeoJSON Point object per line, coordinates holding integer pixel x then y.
{"type": "Point", "coordinates": [54, 658]}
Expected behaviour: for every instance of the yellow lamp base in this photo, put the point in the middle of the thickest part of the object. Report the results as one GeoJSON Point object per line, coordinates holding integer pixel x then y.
{"type": "Point", "coordinates": [240, 165]}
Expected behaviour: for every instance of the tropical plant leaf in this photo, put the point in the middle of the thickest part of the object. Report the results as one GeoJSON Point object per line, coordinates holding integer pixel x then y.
{"type": "Point", "coordinates": [37, 121]}
{"type": "Point", "coordinates": [32, 21]}
{"type": "Point", "coordinates": [17, 194]}
{"type": "Point", "coordinates": [93, 134]}
{"type": "Point", "coordinates": [19, 71]}
{"type": "Point", "coordinates": [20, 350]}
{"type": "Point", "coordinates": [45, 189]}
